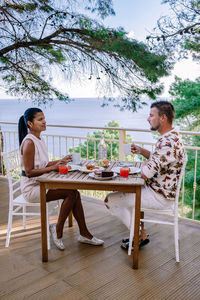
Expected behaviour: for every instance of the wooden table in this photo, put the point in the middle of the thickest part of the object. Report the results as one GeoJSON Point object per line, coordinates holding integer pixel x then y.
{"type": "Point", "coordinates": [78, 180]}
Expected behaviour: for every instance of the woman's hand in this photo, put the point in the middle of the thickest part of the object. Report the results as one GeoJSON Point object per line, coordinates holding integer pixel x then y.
{"type": "Point", "coordinates": [56, 166]}
{"type": "Point", "coordinates": [65, 159]}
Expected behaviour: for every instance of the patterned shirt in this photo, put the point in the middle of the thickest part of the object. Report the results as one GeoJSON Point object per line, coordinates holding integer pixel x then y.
{"type": "Point", "coordinates": [164, 165]}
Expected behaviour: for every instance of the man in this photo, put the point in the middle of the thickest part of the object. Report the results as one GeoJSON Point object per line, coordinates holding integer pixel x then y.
{"type": "Point", "coordinates": [161, 170]}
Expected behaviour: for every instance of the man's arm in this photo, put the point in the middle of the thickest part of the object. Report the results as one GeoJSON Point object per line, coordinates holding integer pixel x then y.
{"type": "Point", "coordinates": [139, 150]}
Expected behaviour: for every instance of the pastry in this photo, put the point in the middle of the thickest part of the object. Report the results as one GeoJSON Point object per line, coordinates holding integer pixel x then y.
{"type": "Point", "coordinates": [90, 167]}
{"type": "Point", "coordinates": [107, 173]}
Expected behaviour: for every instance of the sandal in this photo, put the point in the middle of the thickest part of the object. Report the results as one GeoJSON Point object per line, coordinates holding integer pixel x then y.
{"type": "Point", "coordinates": [126, 240]}
{"type": "Point", "coordinates": [142, 243]}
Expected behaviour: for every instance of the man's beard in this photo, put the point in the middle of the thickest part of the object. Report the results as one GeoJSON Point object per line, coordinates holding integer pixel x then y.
{"type": "Point", "coordinates": [155, 128]}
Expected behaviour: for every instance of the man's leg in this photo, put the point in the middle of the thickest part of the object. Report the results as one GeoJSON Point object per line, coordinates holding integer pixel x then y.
{"type": "Point", "coordinates": [121, 205]}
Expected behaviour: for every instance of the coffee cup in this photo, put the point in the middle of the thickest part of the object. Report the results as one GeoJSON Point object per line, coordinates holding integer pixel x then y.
{"type": "Point", "coordinates": [76, 158]}
{"type": "Point", "coordinates": [127, 149]}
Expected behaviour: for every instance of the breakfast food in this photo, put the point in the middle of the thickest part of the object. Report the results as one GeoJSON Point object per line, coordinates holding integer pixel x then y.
{"type": "Point", "coordinates": [107, 173]}
{"type": "Point", "coordinates": [90, 167]}
{"type": "Point", "coordinates": [97, 172]}
{"type": "Point", "coordinates": [69, 167]}
{"type": "Point", "coordinates": [103, 162]}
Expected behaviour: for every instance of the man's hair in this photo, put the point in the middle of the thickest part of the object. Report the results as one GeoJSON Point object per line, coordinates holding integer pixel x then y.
{"type": "Point", "coordinates": [165, 108]}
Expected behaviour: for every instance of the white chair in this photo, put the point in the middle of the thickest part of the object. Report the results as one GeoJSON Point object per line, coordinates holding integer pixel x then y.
{"type": "Point", "coordinates": [173, 213]}
{"type": "Point", "coordinates": [17, 204]}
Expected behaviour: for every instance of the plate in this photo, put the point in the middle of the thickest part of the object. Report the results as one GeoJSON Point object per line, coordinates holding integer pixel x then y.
{"type": "Point", "coordinates": [85, 170]}
{"type": "Point", "coordinates": [126, 163]}
{"type": "Point", "coordinates": [74, 168]}
{"type": "Point", "coordinates": [133, 170]}
{"type": "Point", "coordinates": [92, 175]}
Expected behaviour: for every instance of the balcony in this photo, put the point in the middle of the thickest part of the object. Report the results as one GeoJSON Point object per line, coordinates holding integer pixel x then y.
{"type": "Point", "coordinates": [88, 272]}
{"type": "Point", "coordinates": [58, 145]}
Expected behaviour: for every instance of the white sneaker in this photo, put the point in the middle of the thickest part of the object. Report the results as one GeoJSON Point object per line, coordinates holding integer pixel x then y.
{"type": "Point", "coordinates": [58, 242]}
{"type": "Point", "coordinates": [94, 241]}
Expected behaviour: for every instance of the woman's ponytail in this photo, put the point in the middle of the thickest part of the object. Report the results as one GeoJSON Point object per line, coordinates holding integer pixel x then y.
{"type": "Point", "coordinates": [29, 115]}
{"type": "Point", "coordinates": [22, 129]}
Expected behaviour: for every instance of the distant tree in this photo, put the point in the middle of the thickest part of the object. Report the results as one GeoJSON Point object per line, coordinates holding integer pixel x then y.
{"type": "Point", "coordinates": [180, 30]}
{"type": "Point", "coordinates": [39, 38]}
{"type": "Point", "coordinates": [186, 101]}
{"type": "Point", "coordinates": [92, 145]}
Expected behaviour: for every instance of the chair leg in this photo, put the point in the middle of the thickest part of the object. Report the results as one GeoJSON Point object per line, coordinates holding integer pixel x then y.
{"type": "Point", "coordinates": [142, 217]}
{"type": "Point", "coordinates": [24, 216]}
{"type": "Point", "coordinates": [10, 218]}
{"type": "Point", "coordinates": [48, 233]}
{"type": "Point", "coordinates": [132, 228]}
{"type": "Point", "coordinates": [132, 225]}
{"type": "Point", "coordinates": [70, 219]}
{"type": "Point", "coordinates": [176, 240]}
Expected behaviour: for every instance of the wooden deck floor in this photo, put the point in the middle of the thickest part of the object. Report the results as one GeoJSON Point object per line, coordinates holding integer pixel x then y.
{"type": "Point", "coordinates": [88, 272]}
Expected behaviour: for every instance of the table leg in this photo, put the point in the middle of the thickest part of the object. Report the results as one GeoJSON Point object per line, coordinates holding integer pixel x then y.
{"type": "Point", "coordinates": [137, 227]}
{"type": "Point", "coordinates": [70, 219]}
{"type": "Point", "coordinates": [43, 213]}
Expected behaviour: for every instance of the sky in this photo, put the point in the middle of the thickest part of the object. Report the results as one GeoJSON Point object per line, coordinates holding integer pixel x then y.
{"type": "Point", "coordinates": [138, 18]}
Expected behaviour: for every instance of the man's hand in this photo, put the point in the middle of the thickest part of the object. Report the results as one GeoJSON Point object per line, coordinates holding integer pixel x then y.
{"type": "Point", "coordinates": [139, 150]}
{"type": "Point", "coordinates": [135, 149]}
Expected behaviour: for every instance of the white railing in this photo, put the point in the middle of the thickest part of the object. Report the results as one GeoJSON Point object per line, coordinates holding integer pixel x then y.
{"type": "Point", "coordinates": [59, 145]}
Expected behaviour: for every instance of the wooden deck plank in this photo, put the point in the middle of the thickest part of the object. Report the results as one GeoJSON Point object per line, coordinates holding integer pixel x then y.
{"type": "Point", "coordinates": [86, 272]}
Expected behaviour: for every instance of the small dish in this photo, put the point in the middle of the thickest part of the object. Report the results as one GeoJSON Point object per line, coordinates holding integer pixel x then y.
{"type": "Point", "coordinates": [125, 163]}
{"type": "Point", "coordinates": [73, 168]}
{"type": "Point", "coordinates": [133, 170]}
{"type": "Point", "coordinates": [93, 176]}
{"type": "Point", "coordinates": [85, 170]}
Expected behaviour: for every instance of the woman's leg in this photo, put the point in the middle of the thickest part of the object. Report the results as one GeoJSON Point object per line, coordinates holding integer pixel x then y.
{"type": "Point", "coordinates": [71, 202]}
{"type": "Point", "coordinates": [78, 213]}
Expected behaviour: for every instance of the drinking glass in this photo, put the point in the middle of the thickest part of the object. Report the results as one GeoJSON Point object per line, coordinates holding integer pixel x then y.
{"type": "Point", "coordinates": [63, 169]}
{"type": "Point", "coordinates": [127, 149]}
{"type": "Point", "coordinates": [124, 172]}
{"type": "Point", "coordinates": [76, 158]}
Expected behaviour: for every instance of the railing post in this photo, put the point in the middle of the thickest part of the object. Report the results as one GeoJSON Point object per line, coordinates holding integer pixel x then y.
{"type": "Point", "coordinates": [1, 150]}
{"type": "Point", "coordinates": [194, 185]}
{"type": "Point", "coordinates": [122, 140]}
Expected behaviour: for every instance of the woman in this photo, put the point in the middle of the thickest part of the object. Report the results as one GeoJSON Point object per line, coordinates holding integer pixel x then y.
{"type": "Point", "coordinates": [35, 162]}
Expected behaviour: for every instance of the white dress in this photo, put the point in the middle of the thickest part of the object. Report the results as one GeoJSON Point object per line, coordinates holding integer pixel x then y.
{"type": "Point", "coordinates": [29, 186]}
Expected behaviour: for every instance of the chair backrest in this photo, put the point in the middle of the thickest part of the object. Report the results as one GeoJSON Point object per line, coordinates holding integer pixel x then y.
{"type": "Point", "coordinates": [180, 180]}
{"type": "Point", "coordinates": [13, 169]}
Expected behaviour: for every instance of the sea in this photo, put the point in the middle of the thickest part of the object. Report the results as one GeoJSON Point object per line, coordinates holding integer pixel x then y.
{"type": "Point", "coordinates": [79, 112]}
